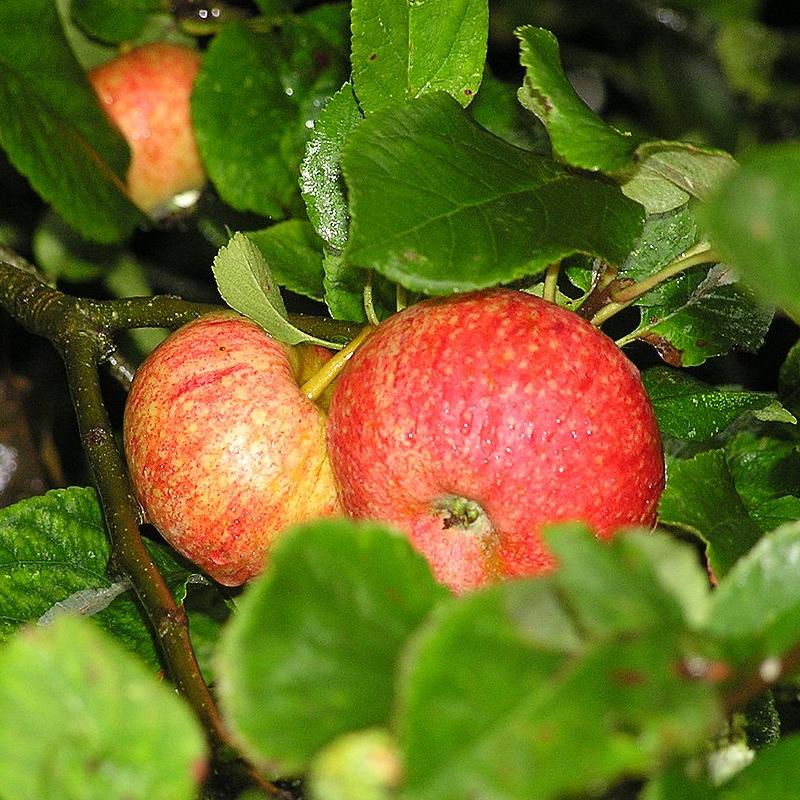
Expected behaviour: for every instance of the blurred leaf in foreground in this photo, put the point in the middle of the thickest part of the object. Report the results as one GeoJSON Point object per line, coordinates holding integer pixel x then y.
{"type": "Point", "coordinates": [84, 719]}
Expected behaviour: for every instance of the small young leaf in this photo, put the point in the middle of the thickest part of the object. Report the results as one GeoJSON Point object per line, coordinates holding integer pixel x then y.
{"type": "Point", "coordinates": [82, 718]}
{"type": "Point", "coordinates": [423, 170]}
{"type": "Point", "coordinates": [312, 651]}
{"type": "Point", "coordinates": [46, 99]}
{"type": "Point", "coordinates": [246, 284]}
{"type": "Point", "coordinates": [395, 57]}
{"type": "Point", "coordinates": [578, 135]}
{"type": "Point", "coordinates": [751, 223]}
{"type": "Point", "coordinates": [701, 498]}
{"type": "Point", "coordinates": [321, 183]}
{"type": "Point", "coordinates": [691, 410]}
{"type": "Point", "coordinates": [241, 111]}
{"type": "Point", "coordinates": [294, 255]}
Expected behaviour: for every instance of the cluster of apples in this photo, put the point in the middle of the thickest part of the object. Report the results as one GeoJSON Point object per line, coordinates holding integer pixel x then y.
{"type": "Point", "coordinates": [470, 423]}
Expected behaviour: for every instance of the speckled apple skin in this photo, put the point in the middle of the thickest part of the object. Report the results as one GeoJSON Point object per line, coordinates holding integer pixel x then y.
{"type": "Point", "coordinates": [145, 92]}
{"type": "Point", "coordinates": [504, 399]}
{"type": "Point", "coordinates": [223, 449]}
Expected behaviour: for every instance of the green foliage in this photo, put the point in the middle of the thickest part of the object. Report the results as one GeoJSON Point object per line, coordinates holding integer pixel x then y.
{"type": "Point", "coordinates": [83, 719]}
{"type": "Point", "coordinates": [113, 20]}
{"type": "Point", "coordinates": [407, 198]}
{"type": "Point", "coordinates": [299, 668]}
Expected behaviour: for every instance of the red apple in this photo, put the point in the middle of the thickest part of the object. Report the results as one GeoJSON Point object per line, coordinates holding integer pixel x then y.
{"type": "Point", "coordinates": [472, 422]}
{"type": "Point", "coordinates": [145, 93]}
{"type": "Point", "coordinates": [224, 450]}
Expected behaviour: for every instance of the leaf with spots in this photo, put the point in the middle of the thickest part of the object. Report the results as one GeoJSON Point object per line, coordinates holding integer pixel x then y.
{"type": "Point", "coordinates": [397, 56]}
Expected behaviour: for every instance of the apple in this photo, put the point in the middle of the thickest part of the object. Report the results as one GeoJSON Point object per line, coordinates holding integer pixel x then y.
{"type": "Point", "coordinates": [223, 448]}
{"type": "Point", "coordinates": [474, 421]}
{"type": "Point", "coordinates": [145, 92]}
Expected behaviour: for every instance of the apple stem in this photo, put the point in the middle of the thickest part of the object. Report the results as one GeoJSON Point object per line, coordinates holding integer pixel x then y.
{"type": "Point", "coordinates": [550, 290]}
{"type": "Point", "coordinates": [701, 253]}
{"type": "Point", "coordinates": [369, 303]}
{"type": "Point", "coordinates": [328, 372]}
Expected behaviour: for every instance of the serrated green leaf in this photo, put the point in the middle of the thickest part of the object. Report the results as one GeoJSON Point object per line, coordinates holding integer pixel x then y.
{"type": "Point", "coordinates": [701, 498]}
{"type": "Point", "coordinates": [423, 220]}
{"type": "Point", "coordinates": [395, 57]}
{"type": "Point", "coordinates": [578, 135]}
{"type": "Point", "coordinates": [751, 223]}
{"type": "Point", "coordinates": [240, 110]}
{"type": "Point", "coordinates": [490, 709]}
{"type": "Point", "coordinates": [702, 314]}
{"type": "Point", "coordinates": [321, 183]}
{"type": "Point", "coordinates": [760, 597]}
{"type": "Point", "coordinates": [691, 410]}
{"type": "Point", "coordinates": [114, 20]}
{"type": "Point", "coordinates": [83, 719]}
{"type": "Point", "coordinates": [247, 285]}
{"type": "Point", "coordinates": [293, 253]}
{"type": "Point", "coordinates": [313, 648]}
{"type": "Point", "coordinates": [53, 547]}
{"type": "Point", "coordinates": [53, 128]}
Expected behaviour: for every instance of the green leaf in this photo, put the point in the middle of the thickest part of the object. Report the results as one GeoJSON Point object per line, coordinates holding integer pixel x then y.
{"type": "Point", "coordinates": [760, 598]}
{"type": "Point", "coordinates": [83, 719]}
{"type": "Point", "coordinates": [691, 410]}
{"type": "Point", "coordinates": [497, 109]}
{"type": "Point", "coordinates": [321, 183]}
{"type": "Point", "coordinates": [312, 651]}
{"type": "Point", "coordinates": [637, 580]}
{"type": "Point", "coordinates": [766, 471]}
{"type": "Point", "coordinates": [751, 223]}
{"type": "Point", "coordinates": [53, 128]}
{"type": "Point", "coordinates": [577, 134]}
{"type": "Point", "coordinates": [423, 220]}
{"type": "Point", "coordinates": [54, 552]}
{"type": "Point", "coordinates": [114, 20]}
{"type": "Point", "coordinates": [701, 498]}
{"type": "Point", "coordinates": [293, 253]}
{"type": "Point", "coordinates": [493, 704]}
{"type": "Point", "coordinates": [396, 56]}
{"type": "Point", "coordinates": [247, 285]}
{"type": "Point", "coordinates": [669, 173]}
{"type": "Point", "coordinates": [789, 379]}
{"type": "Point", "coordinates": [240, 111]}
{"type": "Point", "coordinates": [701, 314]}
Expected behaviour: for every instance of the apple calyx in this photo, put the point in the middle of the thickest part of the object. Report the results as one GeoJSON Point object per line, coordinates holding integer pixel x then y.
{"type": "Point", "coordinates": [463, 514]}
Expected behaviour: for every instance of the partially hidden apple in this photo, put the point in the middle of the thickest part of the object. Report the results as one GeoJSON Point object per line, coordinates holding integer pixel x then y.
{"type": "Point", "coordinates": [223, 448]}
{"type": "Point", "coordinates": [145, 92]}
{"type": "Point", "coordinates": [472, 422]}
